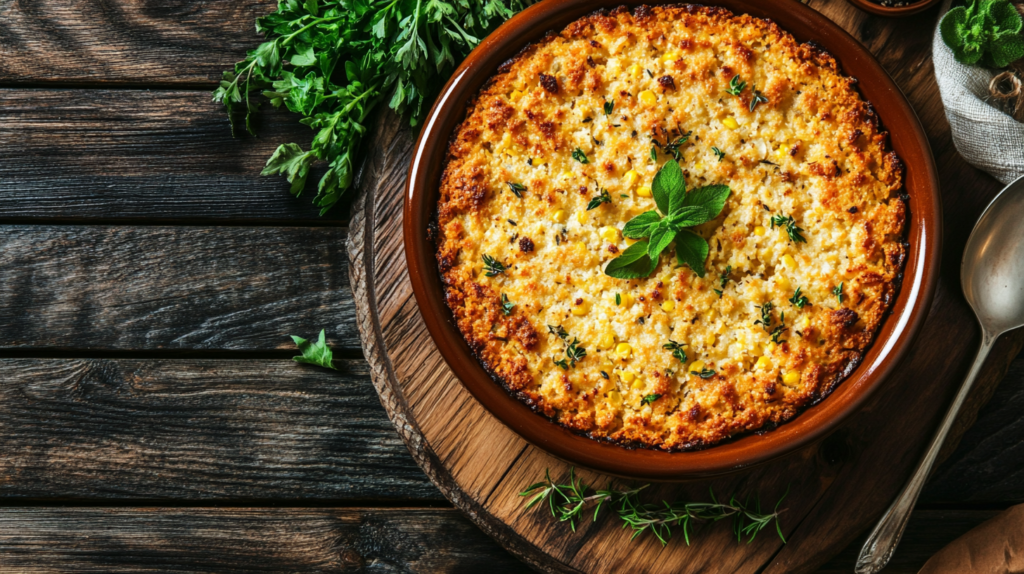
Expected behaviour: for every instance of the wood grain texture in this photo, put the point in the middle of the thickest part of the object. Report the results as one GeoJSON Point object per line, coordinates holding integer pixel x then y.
{"type": "Point", "coordinates": [132, 154]}
{"type": "Point", "coordinates": [124, 41]}
{"type": "Point", "coordinates": [198, 430]}
{"type": "Point", "coordinates": [246, 540]}
{"type": "Point", "coordinates": [481, 465]}
{"type": "Point", "coordinates": [216, 288]}
{"type": "Point", "coordinates": [319, 540]}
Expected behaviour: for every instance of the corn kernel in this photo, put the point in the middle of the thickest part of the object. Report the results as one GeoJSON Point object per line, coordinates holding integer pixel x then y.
{"type": "Point", "coordinates": [560, 216]}
{"type": "Point", "coordinates": [627, 377]}
{"type": "Point", "coordinates": [789, 261]}
{"type": "Point", "coordinates": [710, 340]}
{"type": "Point", "coordinates": [791, 378]}
{"type": "Point", "coordinates": [610, 234]}
{"type": "Point", "coordinates": [630, 178]}
{"type": "Point", "coordinates": [730, 123]}
{"type": "Point", "coordinates": [606, 341]}
{"type": "Point", "coordinates": [783, 282]}
{"type": "Point", "coordinates": [615, 399]}
{"type": "Point", "coordinates": [643, 191]}
{"type": "Point", "coordinates": [566, 175]}
{"type": "Point", "coordinates": [672, 57]}
{"type": "Point", "coordinates": [538, 161]}
{"type": "Point", "coordinates": [638, 384]}
{"type": "Point", "coordinates": [759, 230]}
{"type": "Point", "coordinates": [668, 306]}
{"type": "Point", "coordinates": [763, 363]}
{"type": "Point", "coordinates": [805, 322]}
{"type": "Point", "coordinates": [623, 350]}
{"type": "Point", "coordinates": [648, 99]}
{"type": "Point", "coordinates": [698, 166]}
{"type": "Point", "coordinates": [695, 367]}
{"type": "Point", "coordinates": [769, 348]}
{"type": "Point", "coordinates": [581, 309]}
{"type": "Point", "coordinates": [515, 95]}
{"type": "Point", "coordinates": [627, 299]}
{"type": "Point", "coordinates": [581, 217]}
{"type": "Point", "coordinates": [636, 71]}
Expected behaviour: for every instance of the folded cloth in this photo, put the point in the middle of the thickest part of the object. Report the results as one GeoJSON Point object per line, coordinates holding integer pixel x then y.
{"type": "Point", "coordinates": [994, 547]}
{"type": "Point", "coordinates": [988, 138]}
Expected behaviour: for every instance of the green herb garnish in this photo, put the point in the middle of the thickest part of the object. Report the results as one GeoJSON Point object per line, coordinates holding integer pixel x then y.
{"type": "Point", "coordinates": [506, 305]}
{"type": "Point", "coordinates": [766, 321]}
{"type": "Point", "coordinates": [618, 299]}
{"type": "Point", "coordinates": [736, 86]}
{"type": "Point", "coordinates": [317, 353]}
{"type": "Point", "coordinates": [705, 373]}
{"type": "Point", "coordinates": [985, 32]}
{"type": "Point", "coordinates": [608, 108]}
{"type": "Point", "coordinates": [558, 331]}
{"type": "Point", "coordinates": [757, 99]}
{"type": "Point", "coordinates": [679, 210]}
{"type": "Point", "coordinates": [335, 61]}
{"type": "Point", "coordinates": [580, 156]}
{"type": "Point", "coordinates": [719, 153]}
{"type": "Point", "coordinates": [517, 188]}
{"type": "Point", "coordinates": [493, 266]}
{"type": "Point", "coordinates": [654, 154]}
{"type": "Point", "coordinates": [568, 502]}
{"type": "Point", "coordinates": [723, 279]}
{"type": "Point", "coordinates": [596, 201]}
{"type": "Point", "coordinates": [649, 399]}
{"type": "Point", "coordinates": [677, 349]}
{"type": "Point", "coordinates": [575, 352]}
{"type": "Point", "coordinates": [838, 292]}
{"type": "Point", "coordinates": [792, 229]}
{"type": "Point", "coordinates": [798, 300]}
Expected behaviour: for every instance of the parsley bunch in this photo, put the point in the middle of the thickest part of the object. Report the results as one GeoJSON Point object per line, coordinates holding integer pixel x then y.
{"type": "Point", "coordinates": [334, 61]}
{"type": "Point", "coordinates": [985, 32]}
{"type": "Point", "coordinates": [679, 209]}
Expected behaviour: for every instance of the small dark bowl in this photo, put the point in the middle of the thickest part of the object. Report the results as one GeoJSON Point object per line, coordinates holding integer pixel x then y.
{"type": "Point", "coordinates": [896, 12]}
{"type": "Point", "coordinates": [893, 339]}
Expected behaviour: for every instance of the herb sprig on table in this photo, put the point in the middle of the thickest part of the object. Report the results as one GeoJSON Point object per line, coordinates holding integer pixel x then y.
{"type": "Point", "coordinates": [678, 209]}
{"type": "Point", "coordinates": [985, 32]}
{"type": "Point", "coordinates": [314, 353]}
{"type": "Point", "coordinates": [568, 502]}
{"type": "Point", "coordinates": [334, 61]}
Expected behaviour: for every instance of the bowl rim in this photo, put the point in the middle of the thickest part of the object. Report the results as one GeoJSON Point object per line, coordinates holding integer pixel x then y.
{"type": "Point", "coordinates": [813, 423]}
{"type": "Point", "coordinates": [894, 12]}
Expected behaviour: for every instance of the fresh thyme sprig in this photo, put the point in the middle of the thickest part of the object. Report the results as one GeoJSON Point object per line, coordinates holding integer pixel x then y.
{"type": "Point", "coordinates": [608, 108]}
{"type": "Point", "coordinates": [677, 349]}
{"type": "Point", "coordinates": [517, 188]}
{"type": "Point", "coordinates": [597, 200]}
{"type": "Point", "coordinates": [718, 153]}
{"type": "Point", "coordinates": [766, 321]}
{"type": "Point", "coordinates": [568, 502]}
{"type": "Point", "coordinates": [758, 98]}
{"type": "Point", "coordinates": [787, 221]}
{"type": "Point", "coordinates": [736, 85]}
{"type": "Point", "coordinates": [798, 300]}
{"type": "Point", "coordinates": [493, 266]}
{"type": "Point", "coordinates": [649, 399]}
{"type": "Point", "coordinates": [838, 292]}
{"type": "Point", "coordinates": [506, 305]}
{"type": "Point", "coordinates": [722, 280]}
{"type": "Point", "coordinates": [580, 156]}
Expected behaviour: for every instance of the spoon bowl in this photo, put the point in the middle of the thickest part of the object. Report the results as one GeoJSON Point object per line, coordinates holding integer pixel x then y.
{"type": "Point", "coordinates": [992, 273]}
{"type": "Point", "coordinates": [992, 277]}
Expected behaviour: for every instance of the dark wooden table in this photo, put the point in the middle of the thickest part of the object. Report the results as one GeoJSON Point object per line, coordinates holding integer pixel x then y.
{"type": "Point", "coordinates": [150, 416]}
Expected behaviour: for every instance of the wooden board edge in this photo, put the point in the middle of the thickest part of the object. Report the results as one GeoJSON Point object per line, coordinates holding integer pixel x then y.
{"type": "Point", "coordinates": [359, 246]}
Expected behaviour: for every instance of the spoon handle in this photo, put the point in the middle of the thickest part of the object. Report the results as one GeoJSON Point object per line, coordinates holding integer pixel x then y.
{"type": "Point", "coordinates": [887, 533]}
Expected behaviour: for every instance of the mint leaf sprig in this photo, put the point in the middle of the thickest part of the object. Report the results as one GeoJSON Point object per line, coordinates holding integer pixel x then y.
{"type": "Point", "coordinates": [679, 210]}
{"type": "Point", "coordinates": [314, 353]}
{"type": "Point", "coordinates": [568, 502]}
{"type": "Point", "coordinates": [985, 32]}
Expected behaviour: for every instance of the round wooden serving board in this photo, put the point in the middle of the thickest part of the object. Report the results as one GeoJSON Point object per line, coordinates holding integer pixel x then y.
{"type": "Point", "coordinates": [837, 488]}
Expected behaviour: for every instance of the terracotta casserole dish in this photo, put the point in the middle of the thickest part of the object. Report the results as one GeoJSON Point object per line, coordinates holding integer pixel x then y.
{"type": "Point", "coordinates": [893, 339]}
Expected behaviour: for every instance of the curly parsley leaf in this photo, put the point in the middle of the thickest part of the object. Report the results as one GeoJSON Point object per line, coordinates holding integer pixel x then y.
{"type": "Point", "coordinates": [317, 353]}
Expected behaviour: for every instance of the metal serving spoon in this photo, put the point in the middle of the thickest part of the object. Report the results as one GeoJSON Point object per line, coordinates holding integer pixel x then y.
{"type": "Point", "coordinates": [992, 277]}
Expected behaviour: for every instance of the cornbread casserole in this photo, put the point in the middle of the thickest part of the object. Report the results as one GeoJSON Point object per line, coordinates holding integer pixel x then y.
{"type": "Point", "coordinates": [559, 150]}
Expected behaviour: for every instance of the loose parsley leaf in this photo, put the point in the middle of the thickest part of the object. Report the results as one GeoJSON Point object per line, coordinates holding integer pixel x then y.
{"type": "Point", "coordinates": [632, 264]}
{"type": "Point", "coordinates": [719, 153]}
{"type": "Point", "coordinates": [736, 86]}
{"type": "Point", "coordinates": [493, 266]}
{"type": "Point", "coordinates": [506, 305]}
{"type": "Point", "coordinates": [692, 250]}
{"type": "Point", "coordinates": [798, 300]}
{"type": "Point", "coordinates": [641, 226]}
{"type": "Point", "coordinates": [335, 61]}
{"type": "Point", "coordinates": [608, 108]}
{"type": "Point", "coordinates": [668, 182]}
{"type": "Point", "coordinates": [580, 156]}
{"type": "Point", "coordinates": [317, 353]}
{"type": "Point", "coordinates": [603, 197]}
{"type": "Point", "coordinates": [649, 399]}
{"type": "Point", "coordinates": [517, 188]}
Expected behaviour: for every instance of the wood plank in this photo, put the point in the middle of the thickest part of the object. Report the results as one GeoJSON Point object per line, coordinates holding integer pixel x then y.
{"type": "Point", "coordinates": [210, 288]}
{"type": "Point", "coordinates": [319, 540]}
{"type": "Point", "coordinates": [129, 154]}
{"type": "Point", "coordinates": [246, 540]}
{"type": "Point", "coordinates": [986, 467]}
{"type": "Point", "coordinates": [125, 41]}
{"type": "Point", "coordinates": [188, 430]}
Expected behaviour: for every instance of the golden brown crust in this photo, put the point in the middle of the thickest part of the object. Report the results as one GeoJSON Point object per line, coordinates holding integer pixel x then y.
{"type": "Point", "coordinates": [814, 150]}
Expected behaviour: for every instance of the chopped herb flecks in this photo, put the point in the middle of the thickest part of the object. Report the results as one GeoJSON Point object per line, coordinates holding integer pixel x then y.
{"type": "Point", "coordinates": [580, 156]}
{"type": "Point", "coordinates": [517, 188]}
